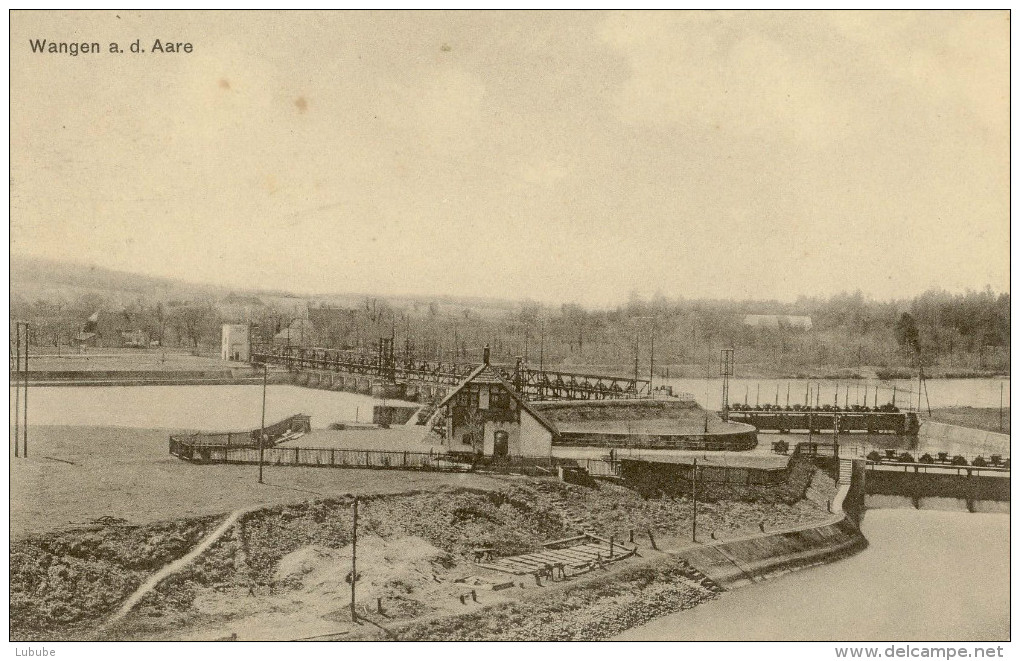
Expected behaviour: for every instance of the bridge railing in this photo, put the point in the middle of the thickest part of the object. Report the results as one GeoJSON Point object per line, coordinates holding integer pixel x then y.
{"type": "Point", "coordinates": [540, 384]}
{"type": "Point", "coordinates": [369, 459]}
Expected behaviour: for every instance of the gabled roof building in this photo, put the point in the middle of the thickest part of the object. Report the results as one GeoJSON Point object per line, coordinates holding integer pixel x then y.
{"type": "Point", "coordinates": [486, 415]}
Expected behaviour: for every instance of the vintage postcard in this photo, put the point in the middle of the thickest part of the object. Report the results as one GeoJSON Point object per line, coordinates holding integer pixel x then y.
{"type": "Point", "coordinates": [510, 326]}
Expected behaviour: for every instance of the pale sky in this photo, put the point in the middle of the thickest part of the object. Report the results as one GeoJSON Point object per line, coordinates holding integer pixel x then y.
{"type": "Point", "coordinates": [553, 156]}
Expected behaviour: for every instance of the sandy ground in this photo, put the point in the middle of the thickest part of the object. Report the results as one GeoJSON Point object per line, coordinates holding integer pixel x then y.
{"type": "Point", "coordinates": [404, 571]}
{"type": "Point", "coordinates": [416, 581]}
{"type": "Point", "coordinates": [76, 474]}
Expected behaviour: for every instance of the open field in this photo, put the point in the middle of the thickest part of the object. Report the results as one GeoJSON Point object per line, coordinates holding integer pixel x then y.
{"type": "Point", "coordinates": [76, 474]}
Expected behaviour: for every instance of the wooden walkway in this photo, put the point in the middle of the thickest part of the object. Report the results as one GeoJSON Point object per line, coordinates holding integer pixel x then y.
{"type": "Point", "coordinates": [585, 553]}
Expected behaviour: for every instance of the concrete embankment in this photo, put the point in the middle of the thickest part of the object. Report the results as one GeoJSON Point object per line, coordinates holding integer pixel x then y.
{"type": "Point", "coordinates": [750, 559]}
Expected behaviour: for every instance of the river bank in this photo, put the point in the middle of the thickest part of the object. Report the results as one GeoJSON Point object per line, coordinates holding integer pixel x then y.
{"type": "Point", "coordinates": [66, 582]}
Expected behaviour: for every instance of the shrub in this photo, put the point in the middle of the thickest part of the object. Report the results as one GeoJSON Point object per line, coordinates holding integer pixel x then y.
{"type": "Point", "coordinates": [959, 460]}
{"type": "Point", "coordinates": [875, 456]}
{"type": "Point", "coordinates": [906, 458]}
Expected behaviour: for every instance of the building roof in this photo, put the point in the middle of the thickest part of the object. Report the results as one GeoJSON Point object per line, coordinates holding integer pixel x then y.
{"type": "Point", "coordinates": [485, 373]}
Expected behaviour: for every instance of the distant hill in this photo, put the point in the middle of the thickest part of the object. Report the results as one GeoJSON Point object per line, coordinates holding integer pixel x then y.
{"type": "Point", "coordinates": [34, 279]}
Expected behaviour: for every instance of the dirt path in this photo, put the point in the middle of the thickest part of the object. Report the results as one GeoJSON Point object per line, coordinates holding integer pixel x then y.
{"type": "Point", "coordinates": [174, 567]}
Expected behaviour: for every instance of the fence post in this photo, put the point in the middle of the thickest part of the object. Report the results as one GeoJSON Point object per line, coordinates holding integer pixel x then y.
{"type": "Point", "coordinates": [405, 458]}
{"type": "Point", "coordinates": [297, 456]}
{"type": "Point", "coordinates": [332, 457]}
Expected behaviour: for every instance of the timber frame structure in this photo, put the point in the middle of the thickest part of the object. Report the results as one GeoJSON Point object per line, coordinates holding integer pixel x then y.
{"type": "Point", "coordinates": [532, 384]}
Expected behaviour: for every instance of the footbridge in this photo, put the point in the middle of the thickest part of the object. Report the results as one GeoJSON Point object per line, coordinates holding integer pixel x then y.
{"type": "Point", "coordinates": [535, 384]}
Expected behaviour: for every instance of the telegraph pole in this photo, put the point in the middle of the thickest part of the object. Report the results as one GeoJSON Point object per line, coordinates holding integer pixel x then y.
{"type": "Point", "coordinates": [651, 365]}
{"type": "Point", "coordinates": [637, 348]}
{"type": "Point", "coordinates": [694, 495]}
{"type": "Point", "coordinates": [262, 430]}
{"type": "Point", "coordinates": [1000, 405]}
{"type": "Point", "coordinates": [354, 560]}
{"type": "Point", "coordinates": [24, 424]}
{"type": "Point", "coordinates": [17, 387]}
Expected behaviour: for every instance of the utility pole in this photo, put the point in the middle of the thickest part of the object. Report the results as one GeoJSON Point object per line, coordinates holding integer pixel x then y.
{"type": "Point", "coordinates": [17, 387]}
{"type": "Point", "coordinates": [726, 364]}
{"type": "Point", "coordinates": [262, 431]}
{"type": "Point", "coordinates": [1000, 405]}
{"type": "Point", "coordinates": [694, 496]}
{"type": "Point", "coordinates": [24, 426]}
{"type": "Point", "coordinates": [651, 365]}
{"type": "Point", "coordinates": [354, 560]}
{"type": "Point", "coordinates": [637, 346]}
{"type": "Point", "coordinates": [541, 351]}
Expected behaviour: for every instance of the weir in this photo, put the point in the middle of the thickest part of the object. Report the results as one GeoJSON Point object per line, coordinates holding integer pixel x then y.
{"type": "Point", "coordinates": [918, 481]}
{"type": "Point", "coordinates": [900, 423]}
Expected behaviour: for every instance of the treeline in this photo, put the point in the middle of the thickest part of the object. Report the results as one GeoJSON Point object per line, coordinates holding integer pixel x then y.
{"type": "Point", "coordinates": [951, 333]}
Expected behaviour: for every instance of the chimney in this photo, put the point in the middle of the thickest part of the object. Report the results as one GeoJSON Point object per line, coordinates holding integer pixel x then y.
{"type": "Point", "coordinates": [485, 355]}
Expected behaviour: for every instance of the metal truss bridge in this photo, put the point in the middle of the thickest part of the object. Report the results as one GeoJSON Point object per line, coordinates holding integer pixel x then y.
{"type": "Point", "coordinates": [531, 383]}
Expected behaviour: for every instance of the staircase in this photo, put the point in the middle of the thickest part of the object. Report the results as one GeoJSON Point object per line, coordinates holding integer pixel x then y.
{"type": "Point", "coordinates": [846, 471]}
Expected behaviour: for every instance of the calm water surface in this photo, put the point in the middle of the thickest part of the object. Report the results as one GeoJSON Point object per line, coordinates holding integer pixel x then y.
{"type": "Point", "coordinates": [209, 408]}
{"type": "Point", "coordinates": [926, 575]}
{"type": "Point", "coordinates": [983, 393]}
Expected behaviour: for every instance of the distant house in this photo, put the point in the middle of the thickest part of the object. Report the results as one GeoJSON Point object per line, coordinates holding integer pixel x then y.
{"type": "Point", "coordinates": [235, 342]}
{"type": "Point", "coordinates": [137, 338]}
{"type": "Point", "coordinates": [84, 339]}
{"type": "Point", "coordinates": [485, 415]}
{"type": "Point", "coordinates": [116, 329]}
{"type": "Point", "coordinates": [778, 321]}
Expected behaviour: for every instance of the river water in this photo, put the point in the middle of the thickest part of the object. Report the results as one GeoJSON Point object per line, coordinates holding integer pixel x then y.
{"type": "Point", "coordinates": [926, 575]}
{"type": "Point", "coordinates": [979, 393]}
{"type": "Point", "coordinates": [206, 408]}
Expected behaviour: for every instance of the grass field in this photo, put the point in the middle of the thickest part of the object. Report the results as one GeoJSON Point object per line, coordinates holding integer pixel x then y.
{"type": "Point", "coordinates": [76, 474]}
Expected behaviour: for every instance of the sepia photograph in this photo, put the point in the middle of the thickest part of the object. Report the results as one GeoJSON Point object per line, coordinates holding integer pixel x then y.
{"type": "Point", "coordinates": [683, 326]}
